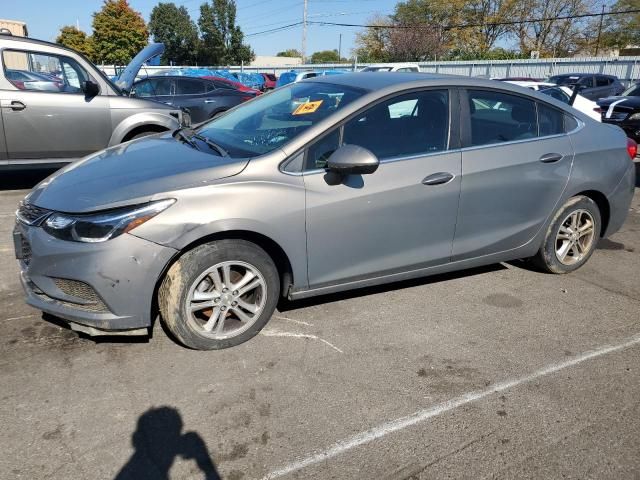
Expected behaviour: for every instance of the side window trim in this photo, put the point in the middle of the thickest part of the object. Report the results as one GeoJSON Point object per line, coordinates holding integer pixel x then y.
{"type": "Point", "coordinates": [454, 141]}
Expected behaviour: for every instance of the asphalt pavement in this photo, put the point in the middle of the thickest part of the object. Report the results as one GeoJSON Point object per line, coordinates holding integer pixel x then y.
{"type": "Point", "coordinates": [497, 372]}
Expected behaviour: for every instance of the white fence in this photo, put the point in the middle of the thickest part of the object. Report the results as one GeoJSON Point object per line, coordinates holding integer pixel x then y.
{"type": "Point", "coordinates": [625, 68]}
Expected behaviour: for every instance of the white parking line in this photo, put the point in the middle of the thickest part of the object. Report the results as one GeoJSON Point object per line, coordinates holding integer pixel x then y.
{"type": "Point", "coordinates": [276, 333]}
{"type": "Point", "coordinates": [425, 414]}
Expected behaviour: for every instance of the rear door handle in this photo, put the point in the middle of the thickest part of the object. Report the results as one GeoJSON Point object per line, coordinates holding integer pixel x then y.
{"type": "Point", "coordinates": [438, 178]}
{"type": "Point", "coordinates": [551, 158]}
{"type": "Point", "coordinates": [14, 105]}
{"type": "Point", "coordinates": [209, 100]}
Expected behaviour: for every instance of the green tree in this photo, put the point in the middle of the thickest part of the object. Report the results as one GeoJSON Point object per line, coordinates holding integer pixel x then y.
{"type": "Point", "coordinates": [173, 27]}
{"type": "Point", "coordinates": [119, 32]}
{"type": "Point", "coordinates": [622, 30]}
{"type": "Point", "coordinates": [325, 56]}
{"type": "Point", "coordinates": [291, 52]}
{"type": "Point", "coordinates": [371, 44]}
{"type": "Point", "coordinates": [75, 39]}
{"type": "Point", "coordinates": [221, 39]}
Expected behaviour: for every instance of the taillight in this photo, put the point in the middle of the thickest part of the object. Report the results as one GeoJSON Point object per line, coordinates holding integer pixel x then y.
{"type": "Point", "coordinates": [597, 110]}
{"type": "Point", "coordinates": [632, 148]}
{"type": "Point", "coordinates": [18, 84]}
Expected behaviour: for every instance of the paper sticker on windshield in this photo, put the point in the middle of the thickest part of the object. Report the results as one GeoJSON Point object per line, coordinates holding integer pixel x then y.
{"type": "Point", "coordinates": [308, 107]}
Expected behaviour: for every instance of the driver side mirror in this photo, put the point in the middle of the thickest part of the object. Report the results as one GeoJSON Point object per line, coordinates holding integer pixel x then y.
{"type": "Point", "coordinates": [352, 159]}
{"type": "Point", "coordinates": [90, 88]}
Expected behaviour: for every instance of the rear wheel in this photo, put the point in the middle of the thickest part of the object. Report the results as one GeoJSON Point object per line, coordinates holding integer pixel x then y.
{"type": "Point", "coordinates": [219, 294]}
{"type": "Point", "coordinates": [571, 238]}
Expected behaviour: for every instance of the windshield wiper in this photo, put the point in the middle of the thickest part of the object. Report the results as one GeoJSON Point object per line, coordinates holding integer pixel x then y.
{"type": "Point", "coordinates": [185, 138]}
{"type": "Point", "coordinates": [211, 144]}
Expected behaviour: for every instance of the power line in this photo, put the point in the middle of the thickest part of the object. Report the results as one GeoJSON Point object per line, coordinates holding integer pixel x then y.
{"type": "Point", "coordinates": [470, 25]}
{"type": "Point", "coordinates": [273, 30]}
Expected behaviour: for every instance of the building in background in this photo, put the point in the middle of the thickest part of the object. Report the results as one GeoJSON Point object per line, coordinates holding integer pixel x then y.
{"type": "Point", "coordinates": [273, 61]}
{"type": "Point", "coordinates": [17, 28]}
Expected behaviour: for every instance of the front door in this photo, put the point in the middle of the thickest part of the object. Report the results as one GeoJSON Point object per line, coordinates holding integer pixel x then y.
{"type": "Point", "coordinates": [402, 216]}
{"type": "Point", "coordinates": [48, 115]}
{"type": "Point", "coordinates": [515, 167]}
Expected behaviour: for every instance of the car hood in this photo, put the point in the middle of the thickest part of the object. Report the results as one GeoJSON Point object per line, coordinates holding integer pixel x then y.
{"type": "Point", "coordinates": [629, 102]}
{"type": "Point", "coordinates": [130, 173]}
{"type": "Point", "coordinates": [128, 75]}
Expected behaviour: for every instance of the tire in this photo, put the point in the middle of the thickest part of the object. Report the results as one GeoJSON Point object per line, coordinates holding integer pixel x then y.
{"type": "Point", "coordinates": [576, 244]}
{"type": "Point", "coordinates": [143, 134]}
{"type": "Point", "coordinates": [197, 280]}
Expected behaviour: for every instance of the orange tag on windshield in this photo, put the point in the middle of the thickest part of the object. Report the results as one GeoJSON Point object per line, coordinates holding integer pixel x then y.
{"type": "Point", "coordinates": [308, 107]}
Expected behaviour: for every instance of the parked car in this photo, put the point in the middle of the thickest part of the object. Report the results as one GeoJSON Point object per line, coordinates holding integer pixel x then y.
{"type": "Point", "coordinates": [26, 80]}
{"type": "Point", "coordinates": [517, 79]}
{"type": "Point", "coordinates": [321, 186]}
{"type": "Point", "coordinates": [222, 82]}
{"type": "Point", "coordinates": [592, 86]}
{"type": "Point", "coordinates": [270, 80]}
{"type": "Point", "coordinates": [623, 111]}
{"type": "Point", "coordinates": [293, 76]}
{"type": "Point", "coordinates": [73, 113]}
{"type": "Point", "coordinates": [203, 98]}
{"type": "Point", "coordinates": [564, 94]}
{"type": "Point", "coordinates": [392, 67]}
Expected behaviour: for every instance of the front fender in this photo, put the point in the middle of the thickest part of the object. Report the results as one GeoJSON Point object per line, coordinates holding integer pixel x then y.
{"type": "Point", "coordinates": [141, 119]}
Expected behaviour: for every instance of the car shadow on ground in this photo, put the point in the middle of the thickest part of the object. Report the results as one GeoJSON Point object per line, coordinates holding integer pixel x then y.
{"type": "Point", "coordinates": [158, 441]}
{"type": "Point", "coordinates": [23, 179]}
{"type": "Point", "coordinates": [287, 305]}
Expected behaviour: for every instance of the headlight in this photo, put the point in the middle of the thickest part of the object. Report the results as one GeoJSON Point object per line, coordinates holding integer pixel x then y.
{"type": "Point", "coordinates": [102, 226]}
{"type": "Point", "coordinates": [635, 116]}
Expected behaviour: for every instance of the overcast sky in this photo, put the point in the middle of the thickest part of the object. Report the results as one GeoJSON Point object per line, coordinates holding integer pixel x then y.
{"type": "Point", "coordinates": [45, 17]}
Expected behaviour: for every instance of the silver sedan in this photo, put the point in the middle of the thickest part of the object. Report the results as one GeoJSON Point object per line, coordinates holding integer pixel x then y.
{"type": "Point", "coordinates": [324, 185]}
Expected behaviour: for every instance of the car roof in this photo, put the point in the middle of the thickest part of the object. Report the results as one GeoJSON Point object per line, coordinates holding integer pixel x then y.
{"type": "Point", "coordinates": [35, 41]}
{"type": "Point", "coordinates": [377, 80]}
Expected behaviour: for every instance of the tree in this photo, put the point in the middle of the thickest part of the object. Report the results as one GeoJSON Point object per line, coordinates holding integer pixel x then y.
{"type": "Point", "coordinates": [325, 56]}
{"type": "Point", "coordinates": [620, 31]}
{"type": "Point", "coordinates": [371, 44]}
{"type": "Point", "coordinates": [173, 27]}
{"type": "Point", "coordinates": [75, 39]}
{"type": "Point", "coordinates": [222, 40]}
{"type": "Point", "coordinates": [292, 52]}
{"type": "Point", "coordinates": [545, 35]}
{"type": "Point", "coordinates": [119, 32]}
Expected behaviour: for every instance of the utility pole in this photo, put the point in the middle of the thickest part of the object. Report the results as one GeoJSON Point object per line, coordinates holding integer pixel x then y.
{"type": "Point", "coordinates": [599, 31]}
{"type": "Point", "coordinates": [304, 32]}
{"type": "Point", "coordinates": [340, 48]}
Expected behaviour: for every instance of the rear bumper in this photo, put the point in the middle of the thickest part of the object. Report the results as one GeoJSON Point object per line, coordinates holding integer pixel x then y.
{"type": "Point", "coordinates": [620, 200]}
{"type": "Point", "coordinates": [108, 286]}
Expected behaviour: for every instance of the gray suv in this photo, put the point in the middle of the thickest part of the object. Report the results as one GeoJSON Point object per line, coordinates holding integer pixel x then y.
{"type": "Point", "coordinates": [56, 106]}
{"type": "Point", "coordinates": [592, 86]}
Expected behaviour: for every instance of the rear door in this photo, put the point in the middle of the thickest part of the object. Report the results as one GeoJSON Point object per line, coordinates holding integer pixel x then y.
{"type": "Point", "coordinates": [52, 120]}
{"type": "Point", "coordinates": [515, 166]}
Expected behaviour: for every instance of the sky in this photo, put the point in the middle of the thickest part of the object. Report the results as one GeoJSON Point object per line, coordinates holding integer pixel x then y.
{"type": "Point", "coordinates": [44, 19]}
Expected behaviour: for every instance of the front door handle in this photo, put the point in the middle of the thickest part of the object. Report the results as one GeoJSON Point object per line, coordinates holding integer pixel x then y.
{"type": "Point", "coordinates": [14, 105]}
{"type": "Point", "coordinates": [438, 178]}
{"type": "Point", "coordinates": [209, 100]}
{"type": "Point", "coordinates": [551, 158]}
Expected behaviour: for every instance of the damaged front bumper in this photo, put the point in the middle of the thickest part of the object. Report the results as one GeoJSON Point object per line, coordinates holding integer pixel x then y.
{"type": "Point", "coordinates": [100, 288]}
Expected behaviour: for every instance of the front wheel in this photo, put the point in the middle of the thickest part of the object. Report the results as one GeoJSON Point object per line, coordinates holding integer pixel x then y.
{"type": "Point", "coordinates": [219, 294]}
{"type": "Point", "coordinates": [571, 237]}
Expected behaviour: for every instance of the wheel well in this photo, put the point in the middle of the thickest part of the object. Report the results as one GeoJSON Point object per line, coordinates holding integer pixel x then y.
{"type": "Point", "coordinates": [603, 206]}
{"type": "Point", "coordinates": [142, 129]}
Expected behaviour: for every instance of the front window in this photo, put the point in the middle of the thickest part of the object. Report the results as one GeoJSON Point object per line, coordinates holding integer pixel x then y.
{"type": "Point", "coordinates": [270, 121]}
{"type": "Point", "coordinates": [43, 72]}
{"type": "Point", "coordinates": [632, 91]}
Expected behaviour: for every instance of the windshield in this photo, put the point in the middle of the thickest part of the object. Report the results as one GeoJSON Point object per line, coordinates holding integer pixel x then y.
{"type": "Point", "coordinates": [269, 121]}
{"type": "Point", "coordinates": [376, 69]}
{"type": "Point", "coordinates": [632, 91]}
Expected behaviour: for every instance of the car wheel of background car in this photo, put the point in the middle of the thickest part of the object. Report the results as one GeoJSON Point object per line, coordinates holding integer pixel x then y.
{"type": "Point", "coordinates": [217, 114]}
{"type": "Point", "coordinates": [219, 294]}
{"type": "Point", "coordinates": [143, 134]}
{"type": "Point", "coordinates": [571, 238]}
